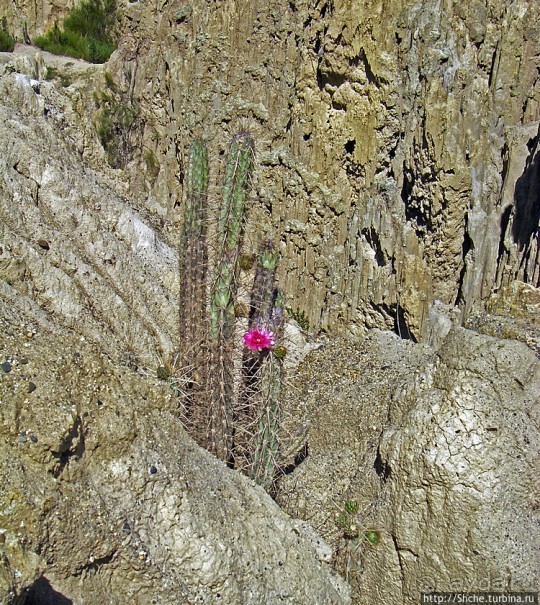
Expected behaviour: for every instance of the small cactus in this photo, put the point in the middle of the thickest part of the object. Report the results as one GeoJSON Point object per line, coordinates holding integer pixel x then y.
{"type": "Point", "coordinates": [244, 432]}
{"type": "Point", "coordinates": [372, 536]}
{"type": "Point", "coordinates": [351, 506]}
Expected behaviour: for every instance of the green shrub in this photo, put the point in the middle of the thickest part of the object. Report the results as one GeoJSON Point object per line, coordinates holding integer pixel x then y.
{"type": "Point", "coordinates": [299, 317]}
{"type": "Point", "coordinates": [7, 43]}
{"type": "Point", "coordinates": [52, 73]}
{"type": "Point", "coordinates": [87, 32]}
{"type": "Point", "coordinates": [118, 124]}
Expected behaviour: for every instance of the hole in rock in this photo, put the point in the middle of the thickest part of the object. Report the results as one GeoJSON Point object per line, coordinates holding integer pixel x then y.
{"type": "Point", "coordinates": [527, 199]}
{"type": "Point", "coordinates": [400, 325]}
{"type": "Point", "coordinates": [350, 146]}
{"type": "Point", "coordinates": [42, 593]}
{"type": "Point", "coordinates": [298, 459]}
{"type": "Point", "coordinates": [381, 468]}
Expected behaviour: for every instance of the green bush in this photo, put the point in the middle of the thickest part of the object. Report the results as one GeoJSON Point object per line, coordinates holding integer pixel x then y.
{"type": "Point", "coordinates": [118, 124]}
{"type": "Point", "coordinates": [87, 32]}
{"type": "Point", "coordinates": [299, 317]}
{"type": "Point", "coordinates": [52, 73]}
{"type": "Point", "coordinates": [7, 43]}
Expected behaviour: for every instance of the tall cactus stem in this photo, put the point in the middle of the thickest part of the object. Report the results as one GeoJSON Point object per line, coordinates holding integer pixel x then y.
{"type": "Point", "coordinates": [193, 282]}
{"type": "Point", "coordinates": [263, 294]}
{"type": "Point", "coordinates": [270, 377]}
{"type": "Point", "coordinates": [263, 291]}
{"type": "Point", "coordinates": [230, 229]}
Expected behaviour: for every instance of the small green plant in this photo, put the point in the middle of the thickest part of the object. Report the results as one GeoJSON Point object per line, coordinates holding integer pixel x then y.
{"type": "Point", "coordinates": [349, 522]}
{"type": "Point", "coordinates": [372, 536]}
{"type": "Point", "coordinates": [52, 73]}
{"type": "Point", "coordinates": [87, 32]}
{"type": "Point", "coordinates": [7, 42]}
{"type": "Point", "coordinates": [355, 540]}
{"type": "Point", "coordinates": [163, 373]}
{"type": "Point", "coordinates": [351, 506]}
{"type": "Point", "coordinates": [117, 123]}
{"type": "Point", "coordinates": [299, 317]}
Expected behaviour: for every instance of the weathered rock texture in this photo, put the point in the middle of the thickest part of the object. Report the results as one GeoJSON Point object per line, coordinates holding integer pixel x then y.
{"type": "Point", "coordinates": [397, 141]}
{"type": "Point", "coordinates": [102, 495]}
{"type": "Point", "coordinates": [460, 459]}
{"type": "Point", "coordinates": [397, 166]}
{"type": "Point", "coordinates": [513, 312]}
{"type": "Point", "coordinates": [72, 237]}
{"type": "Point", "coordinates": [441, 452]}
{"type": "Point", "coordinates": [105, 498]}
{"type": "Point", "coordinates": [29, 18]}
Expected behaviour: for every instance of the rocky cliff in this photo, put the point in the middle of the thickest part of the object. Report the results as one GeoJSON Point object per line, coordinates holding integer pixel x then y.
{"type": "Point", "coordinates": [440, 452]}
{"type": "Point", "coordinates": [397, 142]}
{"type": "Point", "coordinates": [397, 153]}
{"type": "Point", "coordinates": [104, 498]}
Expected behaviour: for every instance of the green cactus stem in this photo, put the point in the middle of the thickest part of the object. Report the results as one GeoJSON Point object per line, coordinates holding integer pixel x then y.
{"type": "Point", "coordinates": [263, 295]}
{"type": "Point", "coordinates": [263, 291]}
{"type": "Point", "coordinates": [243, 431]}
{"type": "Point", "coordinates": [230, 229]}
{"type": "Point", "coordinates": [267, 439]}
{"type": "Point", "coordinates": [194, 247]}
{"type": "Point", "coordinates": [193, 285]}
{"type": "Point", "coordinates": [266, 390]}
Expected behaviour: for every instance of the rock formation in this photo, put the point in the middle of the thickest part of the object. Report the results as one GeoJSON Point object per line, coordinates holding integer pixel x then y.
{"type": "Point", "coordinates": [396, 142]}
{"type": "Point", "coordinates": [441, 452]}
{"type": "Point", "coordinates": [104, 498]}
{"type": "Point", "coordinates": [397, 154]}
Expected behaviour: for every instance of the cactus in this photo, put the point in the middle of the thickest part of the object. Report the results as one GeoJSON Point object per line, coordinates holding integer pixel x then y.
{"type": "Point", "coordinates": [193, 250]}
{"type": "Point", "coordinates": [263, 291]}
{"type": "Point", "coordinates": [244, 432]}
{"type": "Point", "coordinates": [267, 442]}
{"type": "Point", "coordinates": [263, 295]}
{"type": "Point", "coordinates": [224, 287]}
{"type": "Point", "coordinates": [269, 379]}
{"type": "Point", "coordinates": [193, 285]}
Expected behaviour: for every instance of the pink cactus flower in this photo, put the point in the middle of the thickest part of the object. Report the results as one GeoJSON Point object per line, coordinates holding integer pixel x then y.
{"type": "Point", "coordinates": [259, 339]}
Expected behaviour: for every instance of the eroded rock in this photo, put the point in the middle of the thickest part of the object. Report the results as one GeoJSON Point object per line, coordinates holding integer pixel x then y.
{"type": "Point", "coordinates": [438, 450]}
{"type": "Point", "coordinates": [112, 501]}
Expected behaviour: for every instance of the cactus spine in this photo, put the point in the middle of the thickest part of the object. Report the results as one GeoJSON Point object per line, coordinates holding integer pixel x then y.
{"type": "Point", "coordinates": [237, 181]}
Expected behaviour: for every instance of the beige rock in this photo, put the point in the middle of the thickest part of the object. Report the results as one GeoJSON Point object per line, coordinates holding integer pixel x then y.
{"type": "Point", "coordinates": [397, 157]}
{"type": "Point", "coordinates": [100, 479]}
{"type": "Point", "coordinates": [439, 450]}
{"type": "Point", "coordinates": [385, 130]}
{"type": "Point", "coordinates": [460, 460]}
{"type": "Point", "coordinates": [514, 313]}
